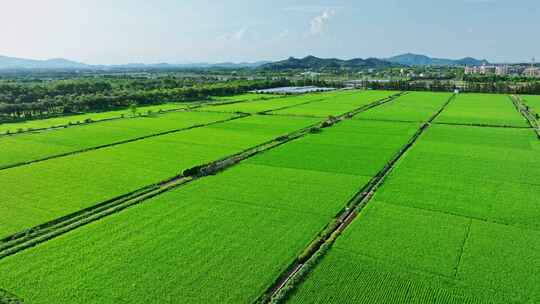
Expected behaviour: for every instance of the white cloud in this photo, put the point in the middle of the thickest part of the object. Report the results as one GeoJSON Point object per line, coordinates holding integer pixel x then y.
{"type": "Point", "coordinates": [234, 36]}
{"type": "Point", "coordinates": [284, 34]}
{"type": "Point", "coordinates": [310, 9]}
{"type": "Point", "coordinates": [319, 23]}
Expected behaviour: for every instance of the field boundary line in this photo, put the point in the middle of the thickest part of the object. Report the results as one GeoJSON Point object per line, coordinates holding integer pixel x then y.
{"type": "Point", "coordinates": [526, 112]}
{"type": "Point", "coordinates": [475, 125]}
{"type": "Point", "coordinates": [300, 268]}
{"type": "Point", "coordinates": [462, 247]}
{"type": "Point", "coordinates": [117, 143]}
{"type": "Point", "coordinates": [33, 236]}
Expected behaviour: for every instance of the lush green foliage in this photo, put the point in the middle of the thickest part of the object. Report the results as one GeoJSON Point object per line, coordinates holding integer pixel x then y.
{"type": "Point", "coordinates": [337, 105]}
{"type": "Point", "coordinates": [21, 100]}
{"type": "Point", "coordinates": [63, 185]}
{"type": "Point", "coordinates": [414, 106]}
{"type": "Point", "coordinates": [31, 146]}
{"type": "Point", "coordinates": [482, 109]}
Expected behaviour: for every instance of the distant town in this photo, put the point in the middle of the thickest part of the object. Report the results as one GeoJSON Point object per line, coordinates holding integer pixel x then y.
{"type": "Point", "coordinates": [504, 70]}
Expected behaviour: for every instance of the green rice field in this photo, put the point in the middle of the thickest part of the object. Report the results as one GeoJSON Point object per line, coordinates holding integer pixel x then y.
{"type": "Point", "coordinates": [454, 216]}
{"type": "Point", "coordinates": [456, 222]}
{"type": "Point", "coordinates": [80, 118]}
{"type": "Point", "coordinates": [482, 109]}
{"type": "Point", "coordinates": [262, 105]}
{"type": "Point", "coordinates": [28, 147]}
{"type": "Point", "coordinates": [414, 106]}
{"type": "Point", "coordinates": [338, 105]}
{"type": "Point", "coordinates": [228, 236]}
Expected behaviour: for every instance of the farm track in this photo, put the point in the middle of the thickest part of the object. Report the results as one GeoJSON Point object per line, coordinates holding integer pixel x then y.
{"type": "Point", "coordinates": [525, 111]}
{"type": "Point", "coordinates": [42, 233]}
{"type": "Point", "coordinates": [294, 274]}
{"type": "Point", "coordinates": [480, 125]}
{"type": "Point", "coordinates": [122, 142]}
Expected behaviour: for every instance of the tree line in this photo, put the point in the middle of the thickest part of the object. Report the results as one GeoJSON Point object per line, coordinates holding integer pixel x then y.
{"type": "Point", "coordinates": [499, 87]}
{"type": "Point", "coordinates": [26, 101]}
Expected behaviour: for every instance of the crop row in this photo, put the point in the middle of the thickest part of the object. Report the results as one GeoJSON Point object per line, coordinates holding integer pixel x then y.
{"type": "Point", "coordinates": [455, 222]}
{"type": "Point", "coordinates": [39, 192]}
{"type": "Point", "coordinates": [220, 239]}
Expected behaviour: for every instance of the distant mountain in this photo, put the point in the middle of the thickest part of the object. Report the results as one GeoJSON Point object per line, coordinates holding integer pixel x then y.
{"type": "Point", "coordinates": [423, 60]}
{"type": "Point", "coordinates": [315, 63]}
{"type": "Point", "coordinates": [306, 63]}
{"type": "Point", "coordinates": [12, 63]}
{"type": "Point", "coordinates": [57, 63]}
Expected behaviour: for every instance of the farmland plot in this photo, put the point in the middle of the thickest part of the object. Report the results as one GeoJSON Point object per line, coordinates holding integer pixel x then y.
{"type": "Point", "coordinates": [60, 186]}
{"type": "Point", "coordinates": [34, 146]}
{"type": "Point", "coordinates": [262, 105]}
{"type": "Point", "coordinates": [532, 101]}
{"type": "Point", "coordinates": [65, 120]}
{"type": "Point", "coordinates": [220, 239]}
{"type": "Point", "coordinates": [337, 105]}
{"type": "Point", "coordinates": [456, 222]}
{"type": "Point", "coordinates": [245, 97]}
{"type": "Point", "coordinates": [482, 109]}
{"type": "Point", "coordinates": [414, 106]}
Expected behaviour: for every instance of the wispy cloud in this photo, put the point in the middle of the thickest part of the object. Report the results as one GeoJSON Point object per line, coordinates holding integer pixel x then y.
{"type": "Point", "coordinates": [284, 34]}
{"type": "Point", "coordinates": [311, 9]}
{"type": "Point", "coordinates": [240, 34]}
{"type": "Point", "coordinates": [318, 23]}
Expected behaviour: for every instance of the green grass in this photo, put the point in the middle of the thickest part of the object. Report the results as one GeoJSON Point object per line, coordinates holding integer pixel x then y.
{"type": "Point", "coordinates": [33, 146]}
{"type": "Point", "coordinates": [65, 120]}
{"type": "Point", "coordinates": [339, 104]}
{"type": "Point", "coordinates": [414, 106]}
{"type": "Point", "coordinates": [39, 192]}
{"type": "Point", "coordinates": [482, 109]}
{"type": "Point", "coordinates": [220, 239]}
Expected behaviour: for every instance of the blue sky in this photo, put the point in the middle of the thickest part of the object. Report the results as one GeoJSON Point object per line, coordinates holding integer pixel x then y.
{"type": "Point", "coordinates": [122, 31]}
